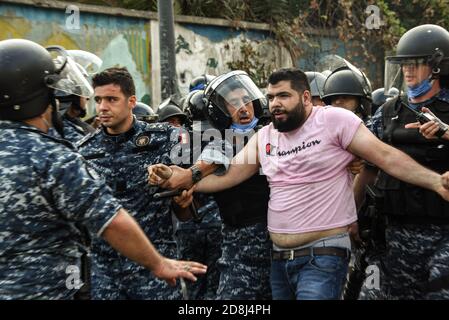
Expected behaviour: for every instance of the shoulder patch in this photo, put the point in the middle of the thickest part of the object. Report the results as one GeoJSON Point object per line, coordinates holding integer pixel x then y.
{"type": "Point", "coordinates": [143, 139]}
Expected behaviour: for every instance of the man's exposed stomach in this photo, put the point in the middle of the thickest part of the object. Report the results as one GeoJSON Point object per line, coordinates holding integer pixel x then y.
{"type": "Point", "coordinates": [287, 240]}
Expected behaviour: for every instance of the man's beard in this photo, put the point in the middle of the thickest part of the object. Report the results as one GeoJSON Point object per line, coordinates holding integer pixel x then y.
{"type": "Point", "coordinates": [294, 119]}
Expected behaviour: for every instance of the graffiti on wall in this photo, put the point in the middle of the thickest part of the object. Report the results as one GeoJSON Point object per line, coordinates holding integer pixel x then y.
{"type": "Point", "coordinates": [202, 49]}
{"type": "Point", "coordinates": [118, 41]}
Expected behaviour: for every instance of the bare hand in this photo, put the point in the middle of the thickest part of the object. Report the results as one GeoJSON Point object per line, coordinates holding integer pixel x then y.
{"type": "Point", "coordinates": [158, 174]}
{"type": "Point", "coordinates": [428, 129]}
{"type": "Point", "coordinates": [169, 270]}
{"type": "Point", "coordinates": [172, 177]}
{"type": "Point", "coordinates": [356, 166]}
{"type": "Point", "coordinates": [185, 199]}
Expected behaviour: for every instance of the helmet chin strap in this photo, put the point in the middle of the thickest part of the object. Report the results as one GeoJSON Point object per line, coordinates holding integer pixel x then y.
{"type": "Point", "coordinates": [56, 119]}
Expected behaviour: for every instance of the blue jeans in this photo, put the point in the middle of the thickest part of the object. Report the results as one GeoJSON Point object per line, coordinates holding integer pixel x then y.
{"type": "Point", "coordinates": [309, 278]}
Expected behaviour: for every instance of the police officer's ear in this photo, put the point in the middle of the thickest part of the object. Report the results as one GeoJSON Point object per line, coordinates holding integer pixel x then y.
{"type": "Point", "coordinates": [132, 100]}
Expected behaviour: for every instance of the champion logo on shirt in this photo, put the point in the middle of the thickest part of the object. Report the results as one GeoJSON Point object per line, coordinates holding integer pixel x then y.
{"type": "Point", "coordinates": [305, 145]}
{"type": "Point", "coordinates": [270, 150]}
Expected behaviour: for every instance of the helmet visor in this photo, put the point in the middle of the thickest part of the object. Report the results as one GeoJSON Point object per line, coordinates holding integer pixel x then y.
{"type": "Point", "coordinates": [233, 92]}
{"type": "Point", "coordinates": [89, 61]}
{"type": "Point", "coordinates": [70, 77]}
{"type": "Point", "coordinates": [403, 73]}
{"type": "Point", "coordinates": [334, 62]}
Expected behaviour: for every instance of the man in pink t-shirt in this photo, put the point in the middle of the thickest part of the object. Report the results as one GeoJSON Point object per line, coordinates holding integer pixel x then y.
{"type": "Point", "coordinates": [304, 153]}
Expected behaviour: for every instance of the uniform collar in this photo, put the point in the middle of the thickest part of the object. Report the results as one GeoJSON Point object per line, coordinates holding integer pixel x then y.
{"type": "Point", "coordinates": [123, 137]}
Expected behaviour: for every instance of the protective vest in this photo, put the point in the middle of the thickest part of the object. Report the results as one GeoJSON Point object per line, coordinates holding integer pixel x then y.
{"type": "Point", "coordinates": [245, 204]}
{"type": "Point", "coordinates": [403, 200]}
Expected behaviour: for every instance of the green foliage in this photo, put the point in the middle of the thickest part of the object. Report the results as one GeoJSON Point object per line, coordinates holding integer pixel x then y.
{"type": "Point", "coordinates": [300, 25]}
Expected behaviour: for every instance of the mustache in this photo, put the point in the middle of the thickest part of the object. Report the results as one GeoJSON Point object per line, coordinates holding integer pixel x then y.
{"type": "Point", "coordinates": [278, 111]}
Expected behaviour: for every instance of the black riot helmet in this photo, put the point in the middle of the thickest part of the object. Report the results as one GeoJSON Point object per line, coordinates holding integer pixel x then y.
{"type": "Point", "coordinates": [379, 98]}
{"type": "Point", "coordinates": [143, 112]}
{"type": "Point", "coordinates": [425, 44]}
{"type": "Point", "coordinates": [316, 81]}
{"type": "Point", "coordinates": [218, 97]}
{"type": "Point", "coordinates": [347, 80]}
{"type": "Point", "coordinates": [169, 108]}
{"type": "Point", "coordinates": [195, 108]}
{"type": "Point", "coordinates": [200, 82]}
{"type": "Point", "coordinates": [29, 73]}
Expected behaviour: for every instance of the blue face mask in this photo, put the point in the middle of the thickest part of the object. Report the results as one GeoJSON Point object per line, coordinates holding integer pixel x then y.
{"type": "Point", "coordinates": [244, 128]}
{"type": "Point", "coordinates": [420, 89]}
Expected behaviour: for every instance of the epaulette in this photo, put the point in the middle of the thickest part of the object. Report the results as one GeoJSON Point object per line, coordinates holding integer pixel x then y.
{"type": "Point", "coordinates": [157, 127]}
{"type": "Point", "coordinates": [87, 138]}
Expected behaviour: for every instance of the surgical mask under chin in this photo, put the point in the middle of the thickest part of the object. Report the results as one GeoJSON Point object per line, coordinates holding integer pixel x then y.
{"type": "Point", "coordinates": [420, 89]}
{"type": "Point", "coordinates": [244, 128]}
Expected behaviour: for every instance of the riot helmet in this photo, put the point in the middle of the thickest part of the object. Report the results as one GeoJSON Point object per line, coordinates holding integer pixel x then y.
{"type": "Point", "coordinates": [379, 98]}
{"type": "Point", "coordinates": [200, 82]}
{"type": "Point", "coordinates": [168, 109]}
{"type": "Point", "coordinates": [347, 80]}
{"type": "Point", "coordinates": [316, 81]}
{"type": "Point", "coordinates": [143, 112]}
{"type": "Point", "coordinates": [29, 75]}
{"type": "Point", "coordinates": [195, 108]}
{"type": "Point", "coordinates": [227, 94]}
{"type": "Point", "coordinates": [425, 50]}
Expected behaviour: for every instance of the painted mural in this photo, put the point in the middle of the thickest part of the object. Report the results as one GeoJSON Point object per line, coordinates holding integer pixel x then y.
{"type": "Point", "coordinates": [125, 41]}
{"type": "Point", "coordinates": [118, 41]}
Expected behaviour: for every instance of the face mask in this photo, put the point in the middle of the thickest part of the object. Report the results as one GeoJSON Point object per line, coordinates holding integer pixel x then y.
{"type": "Point", "coordinates": [244, 128]}
{"type": "Point", "coordinates": [420, 89]}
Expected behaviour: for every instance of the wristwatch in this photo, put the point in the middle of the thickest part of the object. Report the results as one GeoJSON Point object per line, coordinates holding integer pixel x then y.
{"type": "Point", "coordinates": [196, 174]}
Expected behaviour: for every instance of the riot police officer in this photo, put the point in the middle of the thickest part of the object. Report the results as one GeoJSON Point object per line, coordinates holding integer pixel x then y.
{"type": "Point", "coordinates": [233, 106]}
{"type": "Point", "coordinates": [144, 112]}
{"type": "Point", "coordinates": [316, 81]}
{"type": "Point", "coordinates": [200, 240]}
{"type": "Point", "coordinates": [46, 189]}
{"type": "Point", "coordinates": [415, 264]}
{"type": "Point", "coordinates": [347, 87]}
{"type": "Point", "coordinates": [169, 111]}
{"type": "Point", "coordinates": [120, 151]}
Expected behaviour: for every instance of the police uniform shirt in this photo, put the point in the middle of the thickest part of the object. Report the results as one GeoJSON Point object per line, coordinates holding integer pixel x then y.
{"type": "Point", "coordinates": [45, 191]}
{"type": "Point", "coordinates": [122, 160]}
{"type": "Point", "coordinates": [75, 129]}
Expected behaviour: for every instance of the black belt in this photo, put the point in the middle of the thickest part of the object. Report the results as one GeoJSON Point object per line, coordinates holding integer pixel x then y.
{"type": "Point", "coordinates": [320, 251]}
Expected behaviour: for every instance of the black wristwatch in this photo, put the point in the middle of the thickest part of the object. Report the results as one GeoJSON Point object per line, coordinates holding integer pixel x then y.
{"type": "Point", "coordinates": [196, 174]}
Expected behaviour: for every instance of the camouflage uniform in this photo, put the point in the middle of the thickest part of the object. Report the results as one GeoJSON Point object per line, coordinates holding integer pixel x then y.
{"type": "Point", "coordinates": [123, 160]}
{"type": "Point", "coordinates": [245, 262]}
{"type": "Point", "coordinates": [415, 264]}
{"type": "Point", "coordinates": [75, 129]}
{"type": "Point", "coordinates": [201, 241]}
{"type": "Point", "coordinates": [46, 190]}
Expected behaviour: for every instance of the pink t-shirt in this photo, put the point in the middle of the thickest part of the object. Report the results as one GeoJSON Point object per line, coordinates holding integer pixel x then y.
{"type": "Point", "coordinates": [311, 187]}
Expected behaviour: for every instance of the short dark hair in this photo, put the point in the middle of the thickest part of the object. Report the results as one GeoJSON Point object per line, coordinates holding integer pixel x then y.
{"type": "Point", "coordinates": [118, 76]}
{"type": "Point", "coordinates": [298, 79]}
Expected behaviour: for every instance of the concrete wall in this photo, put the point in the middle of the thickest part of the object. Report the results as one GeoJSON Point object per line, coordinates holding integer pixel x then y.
{"type": "Point", "coordinates": [130, 38]}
